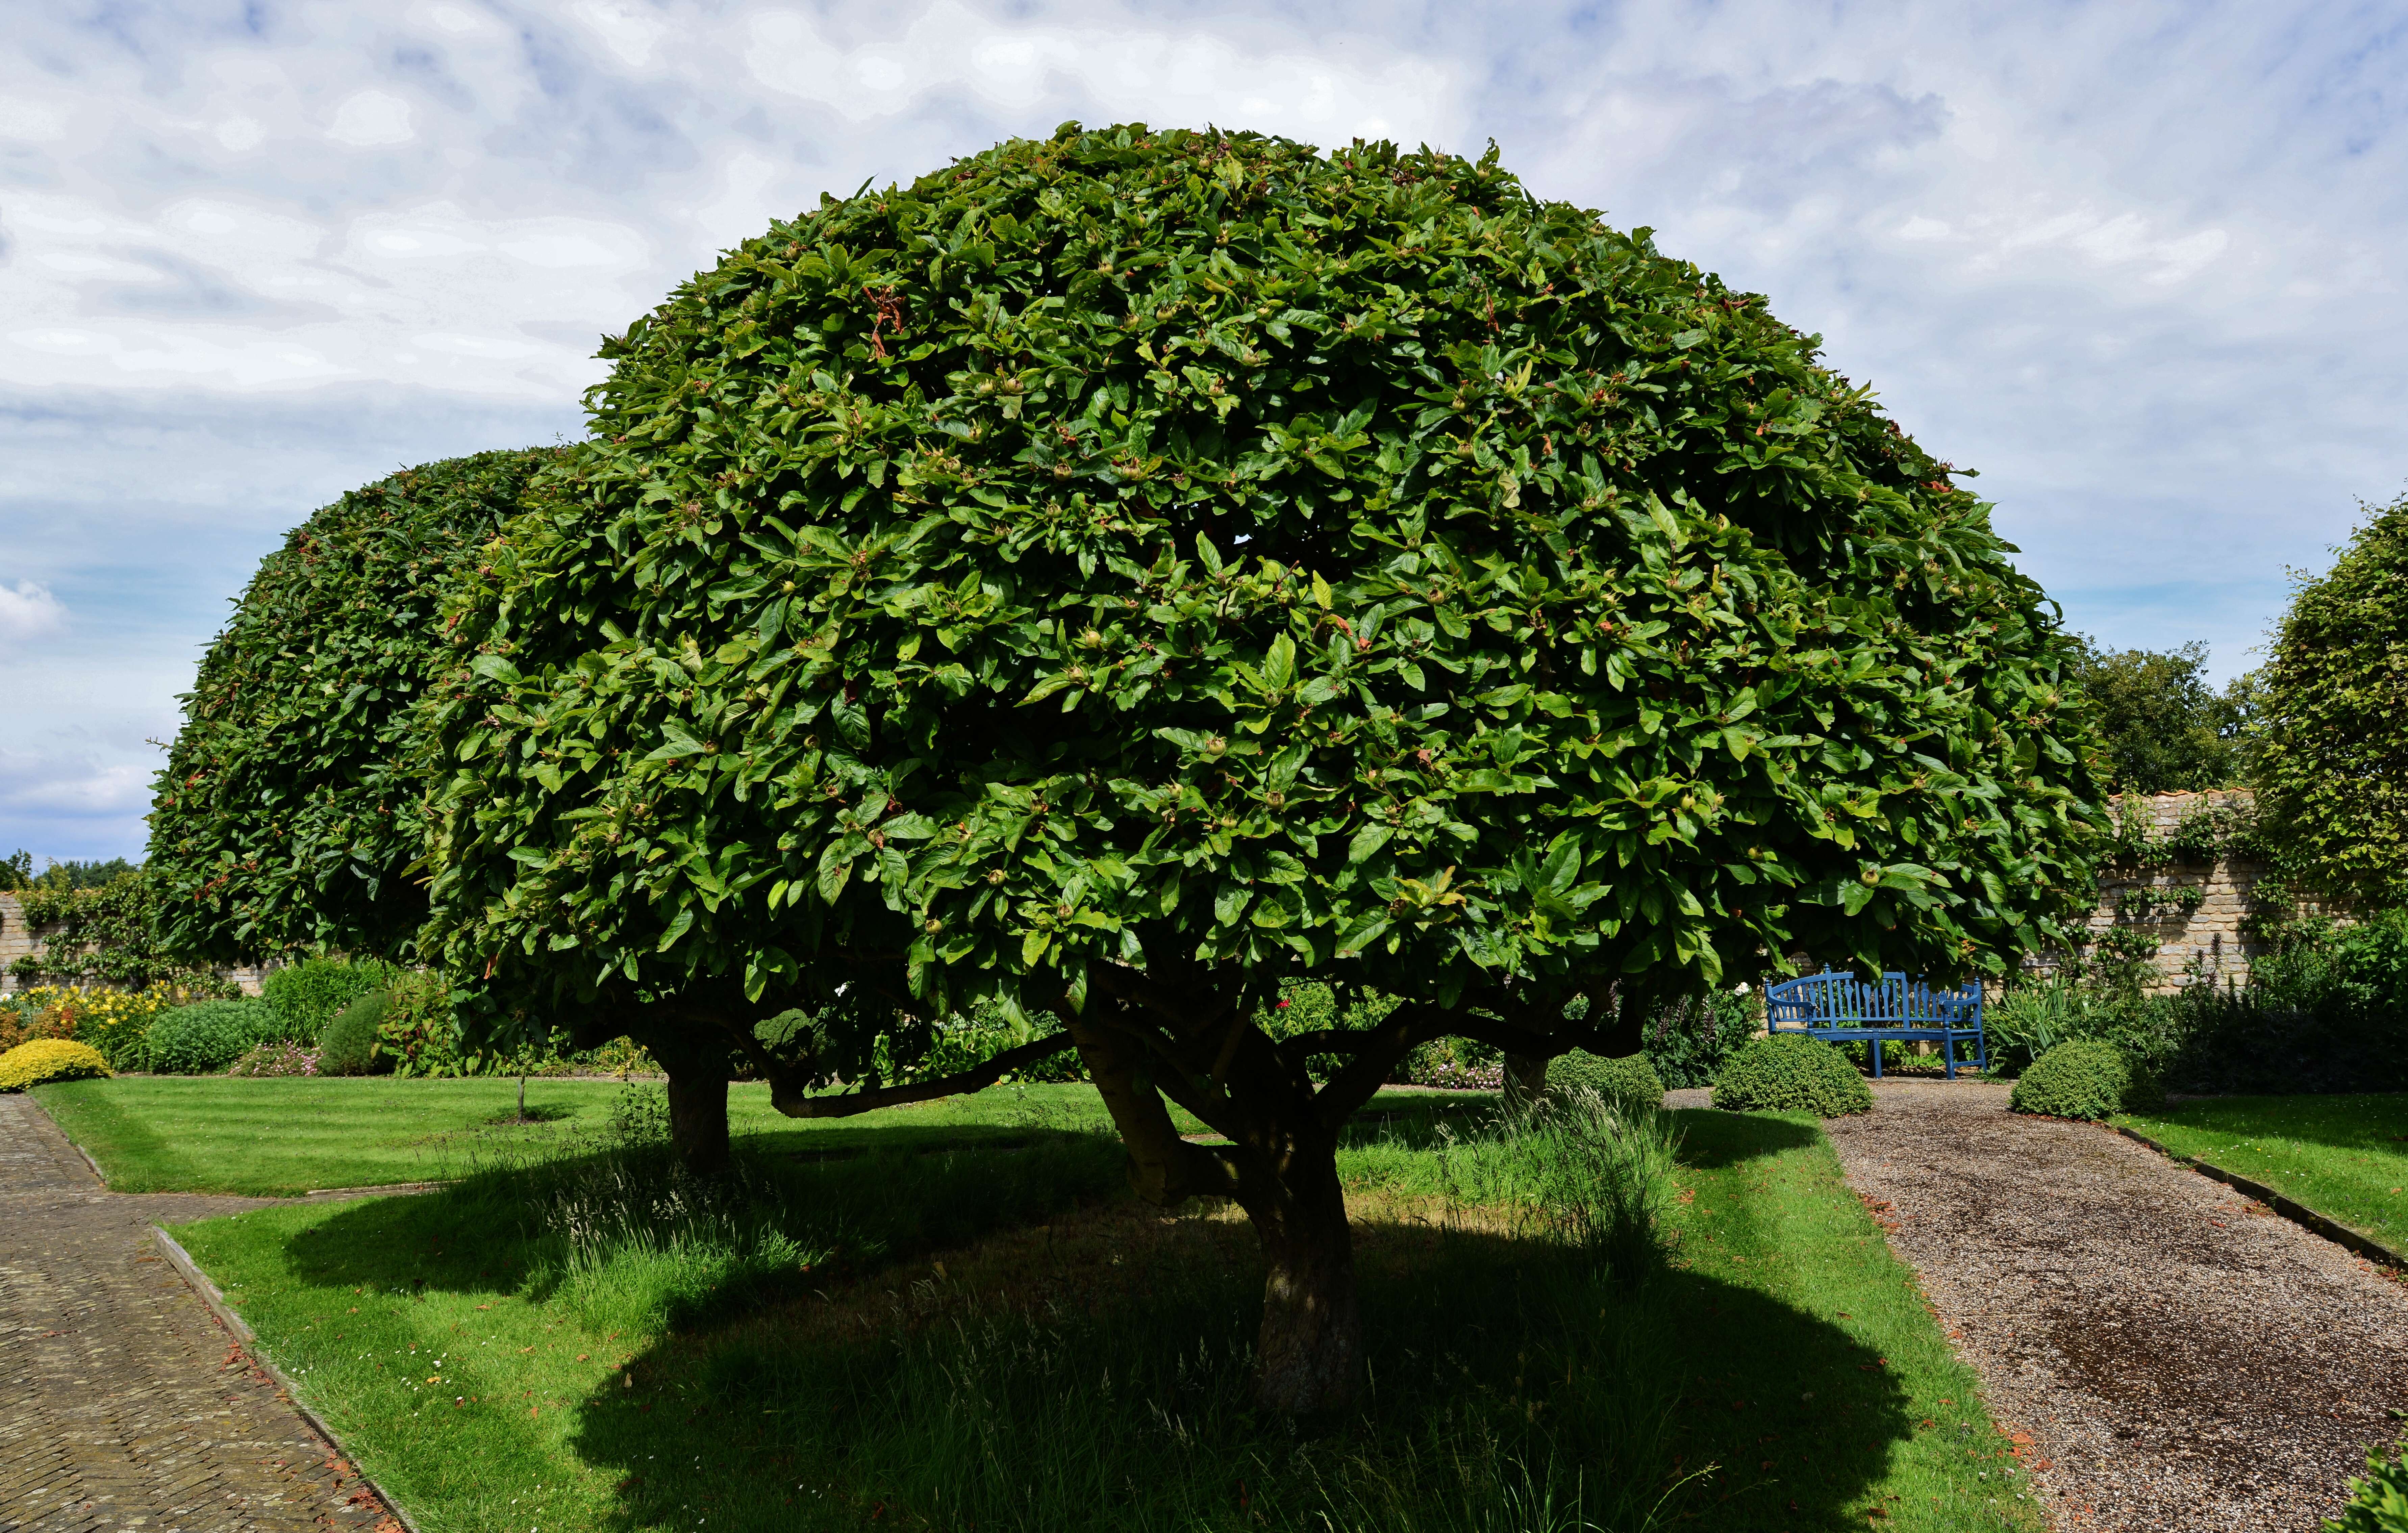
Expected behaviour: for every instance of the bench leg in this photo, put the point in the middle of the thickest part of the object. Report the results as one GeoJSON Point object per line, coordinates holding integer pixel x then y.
{"type": "Point", "coordinates": [1875, 1044]}
{"type": "Point", "coordinates": [1949, 1044]}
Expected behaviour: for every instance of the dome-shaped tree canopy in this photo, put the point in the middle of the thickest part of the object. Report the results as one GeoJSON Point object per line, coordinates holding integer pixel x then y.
{"type": "Point", "coordinates": [285, 814]}
{"type": "Point", "coordinates": [1116, 571]}
{"type": "Point", "coordinates": [2332, 748]}
{"type": "Point", "coordinates": [1191, 530]}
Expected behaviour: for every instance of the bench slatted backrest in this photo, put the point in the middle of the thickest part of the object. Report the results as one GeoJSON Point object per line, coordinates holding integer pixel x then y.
{"type": "Point", "coordinates": [1834, 998]}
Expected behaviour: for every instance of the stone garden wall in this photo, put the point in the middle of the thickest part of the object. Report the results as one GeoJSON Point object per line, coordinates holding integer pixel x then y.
{"type": "Point", "coordinates": [18, 939]}
{"type": "Point", "coordinates": [2197, 912]}
{"type": "Point", "coordinates": [15, 940]}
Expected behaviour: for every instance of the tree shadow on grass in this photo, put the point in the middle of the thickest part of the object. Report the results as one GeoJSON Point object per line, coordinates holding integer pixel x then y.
{"type": "Point", "coordinates": [779, 1224]}
{"type": "Point", "coordinates": [1712, 1139]}
{"type": "Point", "coordinates": [1097, 1379]}
{"type": "Point", "coordinates": [1011, 1346]}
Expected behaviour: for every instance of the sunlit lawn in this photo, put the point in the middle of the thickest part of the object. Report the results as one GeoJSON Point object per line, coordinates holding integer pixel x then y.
{"type": "Point", "coordinates": [290, 1135]}
{"type": "Point", "coordinates": [2346, 1157]}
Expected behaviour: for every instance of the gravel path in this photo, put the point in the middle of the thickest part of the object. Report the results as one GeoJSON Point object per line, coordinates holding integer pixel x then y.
{"type": "Point", "coordinates": [124, 1403]}
{"type": "Point", "coordinates": [2180, 1357]}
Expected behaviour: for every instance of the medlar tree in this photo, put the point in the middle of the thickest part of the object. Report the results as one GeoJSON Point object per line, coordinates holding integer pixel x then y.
{"type": "Point", "coordinates": [2331, 770]}
{"type": "Point", "coordinates": [289, 807]}
{"type": "Point", "coordinates": [1117, 572]}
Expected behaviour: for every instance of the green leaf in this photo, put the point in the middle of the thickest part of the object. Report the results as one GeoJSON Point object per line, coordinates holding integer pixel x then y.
{"type": "Point", "coordinates": [1279, 665]}
{"type": "Point", "coordinates": [678, 925]}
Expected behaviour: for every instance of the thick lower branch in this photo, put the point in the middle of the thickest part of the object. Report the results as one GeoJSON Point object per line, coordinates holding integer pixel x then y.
{"type": "Point", "coordinates": [791, 1100]}
{"type": "Point", "coordinates": [1164, 1169]}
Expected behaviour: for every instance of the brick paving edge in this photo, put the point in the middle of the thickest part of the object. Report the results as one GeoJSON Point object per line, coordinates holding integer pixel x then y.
{"type": "Point", "coordinates": [248, 1340]}
{"type": "Point", "coordinates": [2297, 1214]}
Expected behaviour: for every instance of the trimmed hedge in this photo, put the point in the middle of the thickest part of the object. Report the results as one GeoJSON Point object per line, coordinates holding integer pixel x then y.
{"type": "Point", "coordinates": [205, 1037]}
{"type": "Point", "coordinates": [2086, 1078]}
{"type": "Point", "coordinates": [1786, 1072]}
{"type": "Point", "coordinates": [1628, 1085]}
{"type": "Point", "coordinates": [50, 1059]}
{"type": "Point", "coordinates": [348, 1044]}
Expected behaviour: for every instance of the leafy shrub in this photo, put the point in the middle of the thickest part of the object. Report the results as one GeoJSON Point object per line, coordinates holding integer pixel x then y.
{"type": "Point", "coordinates": [1455, 1063]}
{"type": "Point", "coordinates": [2318, 1013]}
{"type": "Point", "coordinates": [625, 1056]}
{"type": "Point", "coordinates": [22, 1020]}
{"type": "Point", "coordinates": [419, 1035]}
{"type": "Point", "coordinates": [1690, 1038]}
{"type": "Point", "coordinates": [111, 1021]}
{"type": "Point", "coordinates": [310, 993]}
{"type": "Point", "coordinates": [2086, 1078]}
{"type": "Point", "coordinates": [964, 1042]}
{"type": "Point", "coordinates": [1788, 1073]}
{"type": "Point", "coordinates": [2379, 1502]}
{"type": "Point", "coordinates": [348, 1044]}
{"type": "Point", "coordinates": [1625, 1085]}
{"type": "Point", "coordinates": [50, 1059]}
{"type": "Point", "coordinates": [278, 1058]}
{"type": "Point", "coordinates": [205, 1037]}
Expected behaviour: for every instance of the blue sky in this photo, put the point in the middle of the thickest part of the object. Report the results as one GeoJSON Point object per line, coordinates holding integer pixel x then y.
{"type": "Point", "coordinates": [2139, 264]}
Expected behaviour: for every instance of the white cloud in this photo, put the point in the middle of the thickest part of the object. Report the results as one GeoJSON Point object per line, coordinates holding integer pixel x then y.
{"type": "Point", "coordinates": [371, 117]}
{"type": "Point", "coordinates": [2134, 259]}
{"type": "Point", "coordinates": [28, 611]}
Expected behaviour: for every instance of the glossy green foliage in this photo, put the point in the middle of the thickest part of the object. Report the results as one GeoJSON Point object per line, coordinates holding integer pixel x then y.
{"type": "Point", "coordinates": [1787, 1072]}
{"type": "Point", "coordinates": [286, 812]}
{"type": "Point", "coordinates": [1134, 543]}
{"type": "Point", "coordinates": [2086, 1077]}
{"type": "Point", "coordinates": [2333, 752]}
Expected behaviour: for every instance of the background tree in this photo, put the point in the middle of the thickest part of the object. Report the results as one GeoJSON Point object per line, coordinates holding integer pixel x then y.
{"type": "Point", "coordinates": [1118, 573]}
{"type": "Point", "coordinates": [2162, 727]}
{"type": "Point", "coordinates": [286, 814]}
{"type": "Point", "coordinates": [2332, 765]}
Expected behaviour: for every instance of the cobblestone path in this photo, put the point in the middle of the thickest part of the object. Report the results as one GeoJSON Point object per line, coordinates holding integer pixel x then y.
{"type": "Point", "coordinates": [2176, 1356]}
{"type": "Point", "coordinates": [124, 1403]}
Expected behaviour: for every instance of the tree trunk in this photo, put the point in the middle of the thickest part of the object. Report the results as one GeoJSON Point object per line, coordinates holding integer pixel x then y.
{"type": "Point", "coordinates": [1308, 1354]}
{"type": "Point", "coordinates": [1526, 1082]}
{"type": "Point", "coordinates": [697, 1071]}
{"type": "Point", "coordinates": [698, 1120]}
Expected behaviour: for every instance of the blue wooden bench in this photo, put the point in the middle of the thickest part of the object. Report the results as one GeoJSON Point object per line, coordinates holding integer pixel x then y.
{"type": "Point", "coordinates": [1894, 1008]}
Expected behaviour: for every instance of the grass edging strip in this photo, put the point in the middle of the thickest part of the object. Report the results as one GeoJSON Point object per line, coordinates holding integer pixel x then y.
{"type": "Point", "coordinates": [240, 1330]}
{"type": "Point", "coordinates": [2297, 1214]}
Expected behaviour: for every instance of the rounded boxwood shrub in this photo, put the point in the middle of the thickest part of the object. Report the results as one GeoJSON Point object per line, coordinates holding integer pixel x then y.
{"type": "Point", "coordinates": [2086, 1077]}
{"type": "Point", "coordinates": [1628, 1084]}
{"type": "Point", "coordinates": [347, 1046]}
{"type": "Point", "coordinates": [1788, 1072]}
{"type": "Point", "coordinates": [205, 1037]}
{"type": "Point", "coordinates": [50, 1059]}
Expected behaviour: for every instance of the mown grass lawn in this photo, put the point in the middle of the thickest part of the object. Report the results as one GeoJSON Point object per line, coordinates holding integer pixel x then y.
{"type": "Point", "coordinates": [1000, 1338]}
{"type": "Point", "coordinates": [287, 1135]}
{"type": "Point", "coordinates": [2346, 1157]}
